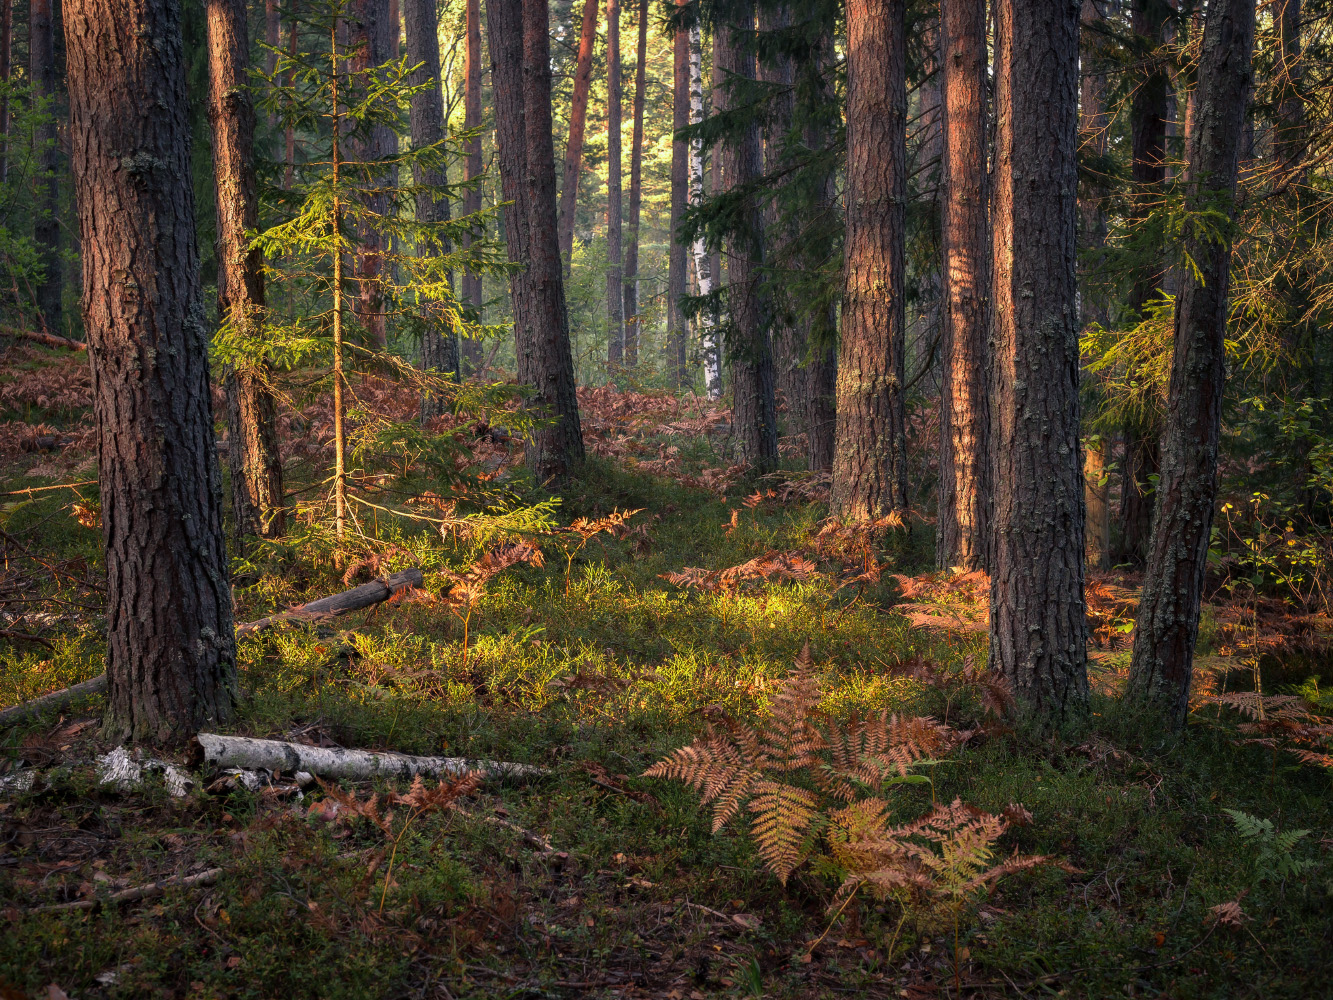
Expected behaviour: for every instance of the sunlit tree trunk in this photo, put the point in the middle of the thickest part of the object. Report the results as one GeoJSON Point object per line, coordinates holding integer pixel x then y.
{"type": "Point", "coordinates": [171, 666]}
{"type": "Point", "coordinates": [578, 119]}
{"type": "Point", "coordinates": [439, 341]}
{"type": "Point", "coordinates": [1038, 630]}
{"type": "Point", "coordinates": [820, 332]}
{"type": "Point", "coordinates": [46, 206]}
{"type": "Point", "coordinates": [256, 468]}
{"type": "Point", "coordinates": [636, 193]}
{"type": "Point", "coordinates": [521, 74]}
{"type": "Point", "coordinates": [473, 294]}
{"type": "Point", "coordinates": [962, 529]}
{"type": "Point", "coordinates": [705, 271]}
{"type": "Point", "coordinates": [615, 301]}
{"type": "Point", "coordinates": [869, 463]}
{"type": "Point", "coordinates": [754, 417]}
{"type": "Point", "coordinates": [677, 283]}
{"type": "Point", "coordinates": [1168, 616]}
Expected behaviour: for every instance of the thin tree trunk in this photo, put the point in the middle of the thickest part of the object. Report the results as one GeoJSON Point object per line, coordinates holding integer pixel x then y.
{"type": "Point", "coordinates": [1292, 139]}
{"type": "Point", "coordinates": [754, 415]}
{"type": "Point", "coordinates": [719, 275]}
{"type": "Point", "coordinates": [962, 528]}
{"type": "Point", "coordinates": [521, 75]}
{"type": "Point", "coordinates": [677, 264]}
{"type": "Point", "coordinates": [339, 277]}
{"type": "Point", "coordinates": [439, 340]}
{"type": "Point", "coordinates": [272, 37]}
{"type": "Point", "coordinates": [578, 120]}
{"type": "Point", "coordinates": [368, 32]}
{"type": "Point", "coordinates": [869, 464]}
{"type": "Point", "coordinates": [635, 194]}
{"type": "Point", "coordinates": [171, 652]}
{"type": "Point", "coordinates": [473, 294]}
{"type": "Point", "coordinates": [705, 269]}
{"type": "Point", "coordinates": [1038, 630]}
{"type": "Point", "coordinates": [289, 133]}
{"type": "Point", "coordinates": [256, 468]}
{"type": "Point", "coordinates": [615, 303]}
{"type": "Point", "coordinates": [6, 55]}
{"type": "Point", "coordinates": [820, 332]}
{"type": "Point", "coordinates": [1168, 616]}
{"type": "Point", "coordinates": [1095, 491]}
{"type": "Point", "coordinates": [46, 208]}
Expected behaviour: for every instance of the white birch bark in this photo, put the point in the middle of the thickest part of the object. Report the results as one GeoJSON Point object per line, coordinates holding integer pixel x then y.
{"type": "Point", "coordinates": [703, 268]}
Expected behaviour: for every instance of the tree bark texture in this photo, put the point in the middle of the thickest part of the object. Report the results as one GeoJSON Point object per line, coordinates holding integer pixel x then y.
{"type": "Point", "coordinates": [869, 463]}
{"type": "Point", "coordinates": [473, 294]}
{"type": "Point", "coordinates": [521, 75]}
{"type": "Point", "coordinates": [1038, 629]}
{"type": "Point", "coordinates": [962, 531]}
{"type": "Point", "coordinates": [1168, 616]}
{"type": "Point", "coordinates": [615, 303]}
{"type": "Point", "coordinates": [578, 120]}
{"type": "Point", "coordinates": [170, 646]}
{"type": "Point", "coordinates": [677, 263]}
{"type": "Point", "coordinates": [706, 271]}
{"type": "Point", "coordinates": [631, 294]}
{"type": "Point", "coordinates": [439, 340]}
{"type": "Point", "coordinates": [46, 208]}
{"type": "Point", "coordinates": [754, 414]}
{"type": "Point", "coordinates": [256, 467]}
{"type": "Point", "coordinates": [368, 38]}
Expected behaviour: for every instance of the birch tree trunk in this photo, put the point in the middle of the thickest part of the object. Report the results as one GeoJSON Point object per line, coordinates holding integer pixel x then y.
{"type": "Point", "coordinates": [170, 646]}
{"type": "Point", "coordinates": [869, 463]}
{"type": "Point", "coordinates": [704, 272]}
{"type": "Point", "coordinates": [256, 468]}
{"type": "Point", "coordinates": [1038, 630]}
{"type": "Point", "coordinates": [578, 119]}
{"type": "Point", "coordinates": [1168, 617]}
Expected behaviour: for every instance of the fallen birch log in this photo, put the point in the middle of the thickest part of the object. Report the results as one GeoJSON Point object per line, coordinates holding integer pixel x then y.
{"type": "Point", "coordinates": [326, 607]}
{"type": "Point", "coordinates": [340, 604]}
{"type": "Point", "coordinates": [148, 891]}
{"type": "Point", "coordinates": [53, 702]}
{"type": "Point", "coordinates": [214, 751]}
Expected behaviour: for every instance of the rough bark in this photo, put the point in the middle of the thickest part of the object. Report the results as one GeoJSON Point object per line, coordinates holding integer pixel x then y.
{"type": "Point", "coordinates": [578, 120]}
{"type": "Point", "coordinates": [615, 303]}
{"type": "Point", "coordinates": [820, 332]}
{"type": "Point", "coordinates": [754, 414]}
{"type": "Point", "coordinates": [439, 341]}
{"type": "Point", "coordinates": [256, 467]}
{"type": "Point", "coordinates": [706, 271]}
{"type": "Point", "coordinates": [473, 294]}
{"type": "Point", "coordinates": [677, 264]}
{"type": "Point", "coordinates": [1168, 617]}
{"type": "Point", "coordinates": [46, 207]}
{"type": "Point", "coordinates": [869, 463]}
{"type": "Point", "coordinates": [962, 529]}
{"type": "Point", "coordinates": [170, 646]}
{"type": "Point", "coordinates": [368, 41]}
{"type": "Point", "coordinates": [631, 294]}
{"type": "Point", "coordinates": [521, 75]}
{"type": "Point", "coordinates": [6, 66]}
{"type": "Point", "coordinates": [1038, 629]}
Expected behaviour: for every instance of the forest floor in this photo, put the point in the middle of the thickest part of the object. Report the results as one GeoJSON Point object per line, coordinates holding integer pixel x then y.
{"type": "Point", "coordinates": [596, 667]}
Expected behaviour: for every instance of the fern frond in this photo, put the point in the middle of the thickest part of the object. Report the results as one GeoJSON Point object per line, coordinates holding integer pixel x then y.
{"type": "Point", "coordinates": [782, 818]}
{"type": "Point", "coordinates": [791, 740]}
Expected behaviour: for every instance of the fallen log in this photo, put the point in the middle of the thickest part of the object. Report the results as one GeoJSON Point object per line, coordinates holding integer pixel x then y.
{"type": "Point", "coordinates": [53, 702]}
{"type": "Point", "coordinates": [340, 604]}
{"type": "Point", "coordinates": [45, 339]}
{"type": "Point", "coordinates": [326, 607]}
{"type": "Point", "coordinates": [148, 891]}
{"type": "Point", "coordinates": [215, 751]}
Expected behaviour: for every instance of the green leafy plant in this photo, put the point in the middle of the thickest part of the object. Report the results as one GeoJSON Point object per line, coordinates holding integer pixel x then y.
{"type": "Point", "coordinates": [1274, 859]}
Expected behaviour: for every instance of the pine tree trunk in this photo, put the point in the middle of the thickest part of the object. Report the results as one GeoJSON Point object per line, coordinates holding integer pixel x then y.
{"type": "Point", "coordinates": [273, 37]}
{"type": "Point", "coordinates": [46, 208]}
{"type": "Point", "coordinates": [439, 341]}
{"type": "Point", "coordinates": [869, 464]}
{"type": "Point", "coordinates": [578, 120]}
{"type": "Point", "coordinates": [631, 297]}
{"type": "Point", "coordinates": [754, 414]}
{"type": "Point", "coordinates": [962, 529]}
{"type": "Point", "coordinates": [1096, 497]}
{"type": "Point", "coordinates": [6, 68]}
{"type": "Point", "coordinates": [677, 265]}
{"type": "Point", "coordinates": [256, 468]}
{"type": "Point", "coordinates": [473, 294]}
{"type": "Point", "coordinates": [368, 34]}
{"type": "Point", "coordinates": [1038, 630]}
{"type": "Point", "coordinates": [1291, 141]}
{"type": "Point", "coordinates": [820, 330]}
{"type": "Point", "coordinates": [170, 643]}
{"type": "Point", "coordinates": [706, 272]}
{"type": "Point", "coordinates": [1168, 616]}
{"type": "Point", "coordinates": [521, 75]}
{"type": "Point", "coordinates": [615, 302]}
{"type": "Point", "coordinates": [289, 132]}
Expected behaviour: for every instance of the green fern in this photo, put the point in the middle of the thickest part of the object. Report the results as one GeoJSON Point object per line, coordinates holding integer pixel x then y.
{"type": "Point", "coordinates": [1274, 851]}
